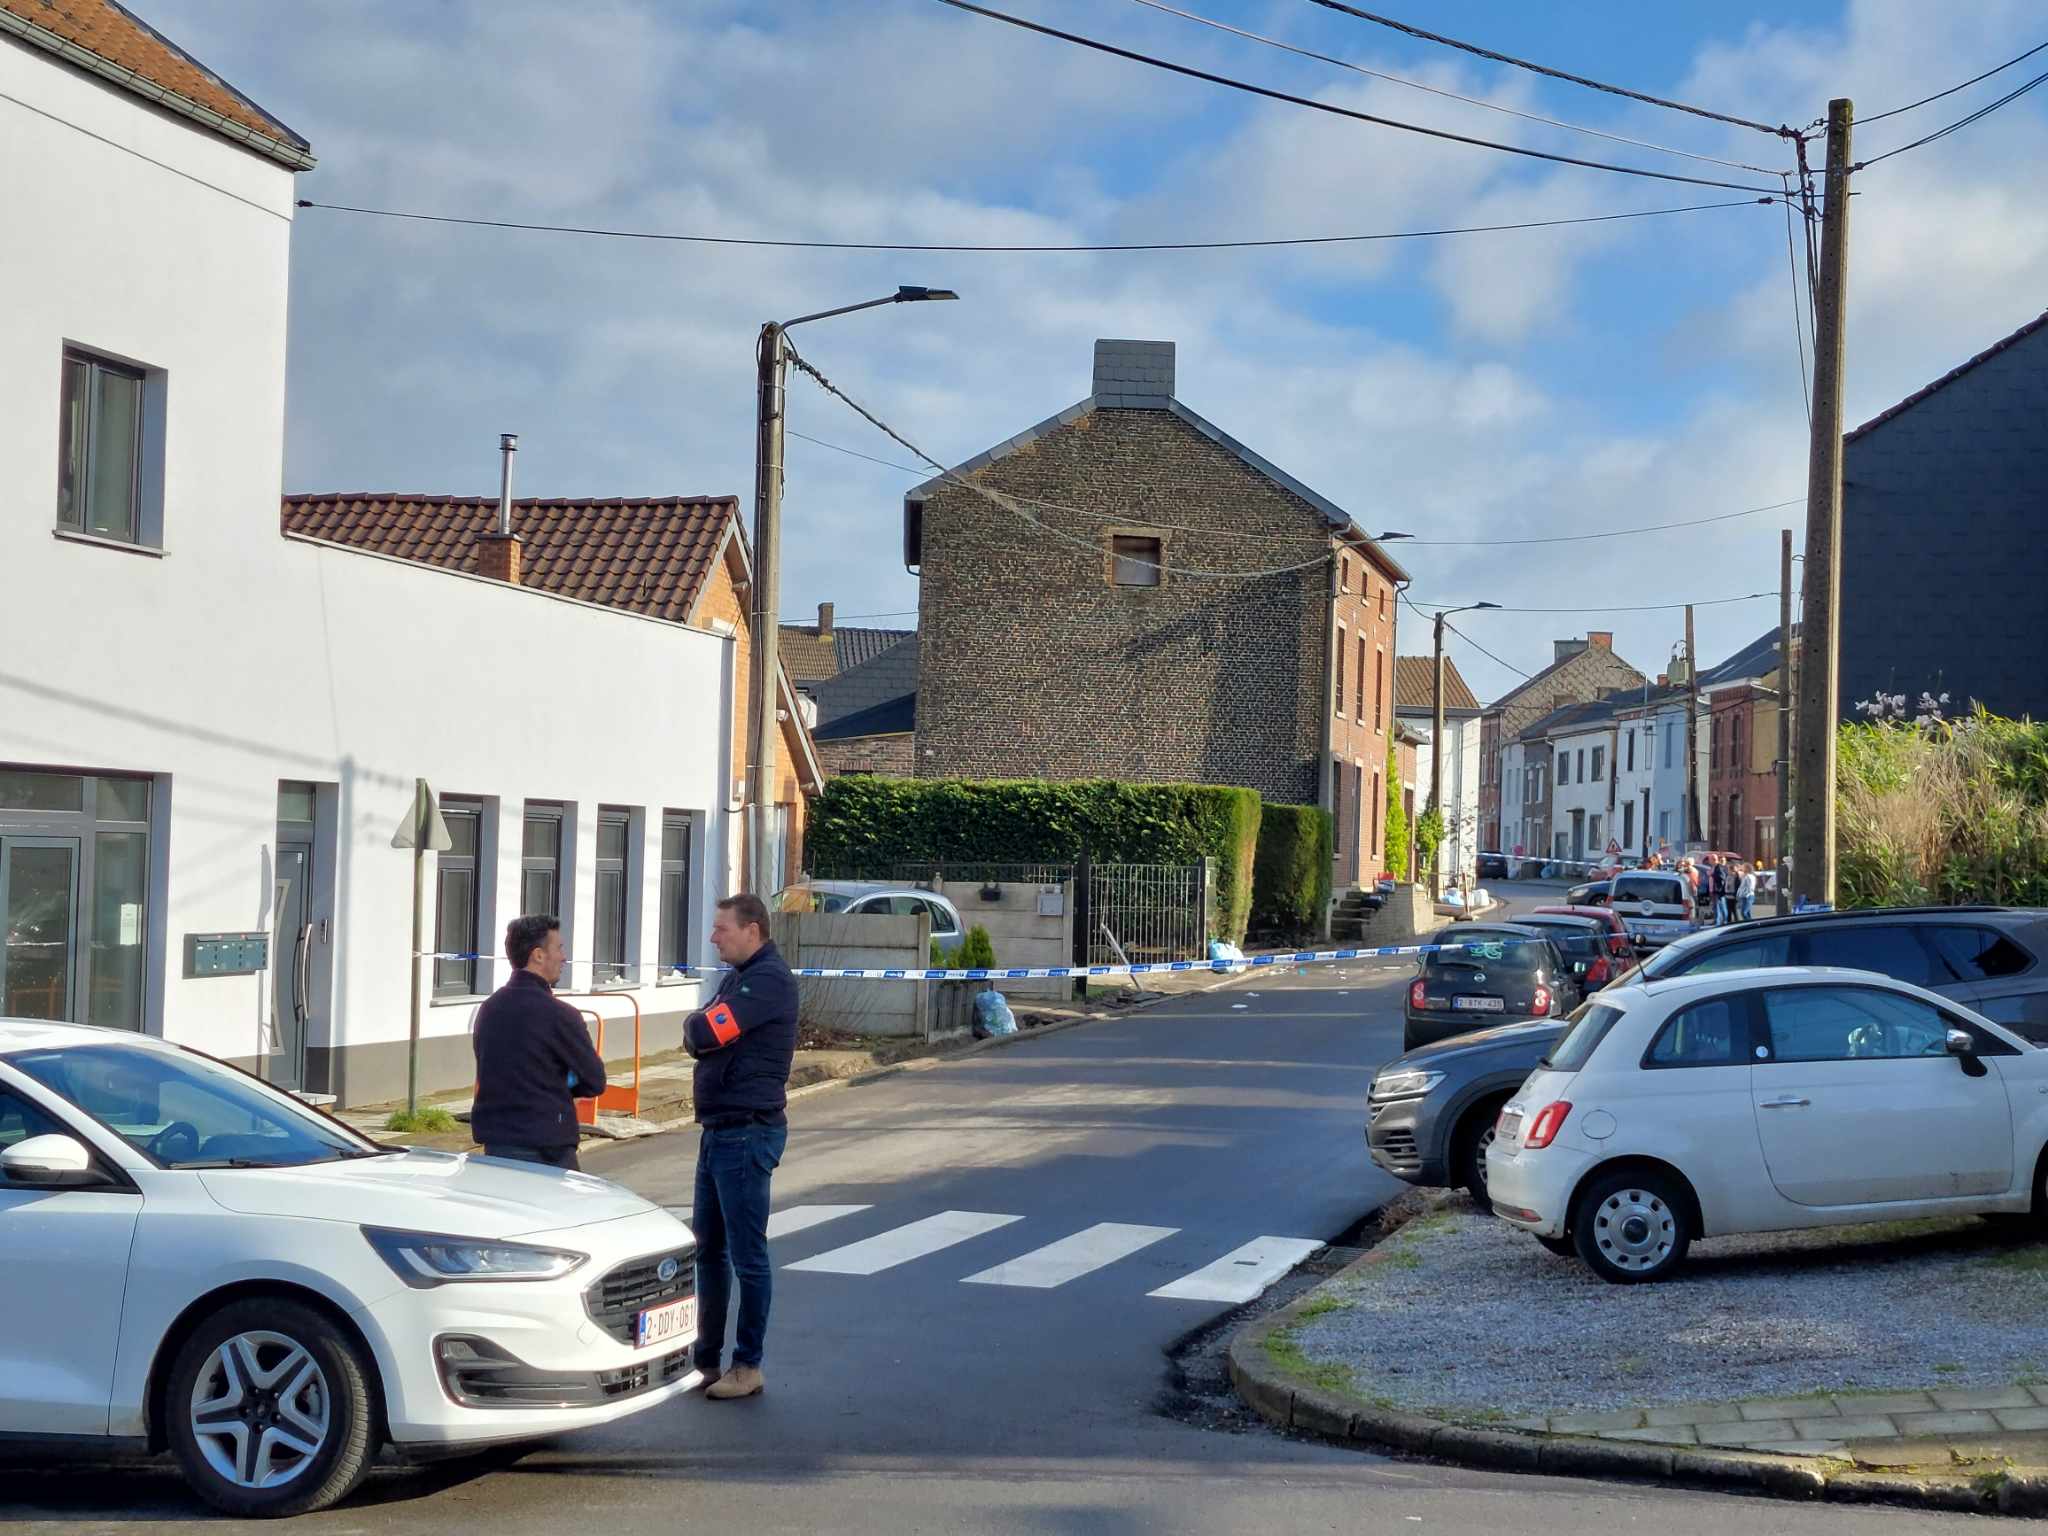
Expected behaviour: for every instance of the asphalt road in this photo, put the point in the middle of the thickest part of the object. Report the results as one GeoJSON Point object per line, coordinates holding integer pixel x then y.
{"type": "Point", "coordinates": [1009, 1380]}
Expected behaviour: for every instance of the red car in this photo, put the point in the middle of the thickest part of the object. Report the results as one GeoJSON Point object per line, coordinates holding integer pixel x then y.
{"type": "Point", "coordinates": [1620, 951]}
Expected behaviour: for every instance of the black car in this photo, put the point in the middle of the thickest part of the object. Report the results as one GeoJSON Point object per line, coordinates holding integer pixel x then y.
{"type": "Point", "coordinates": [1992, 959]}
{"type": "Point", "coordinates": [1430, 1114]}
{"type": "Point", "coordinates": [1493, 866]}
{"type": "Point", "coordinates": [1586, 943]}
{"type": "Point", "coordinates": [1592, 894]}
{"type": "Point", "coordinates": [1503, 971]}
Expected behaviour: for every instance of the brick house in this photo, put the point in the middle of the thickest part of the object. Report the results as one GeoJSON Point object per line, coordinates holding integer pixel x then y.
{"type": "Point", "coordinates": [1415, 708]}
{"type": "Point", "coordinates": [1580, 671]}
{"type": "Point", "coordinates": [1744, 694]}
{"type": "Point", "coordinates": [843, 669]}
{"type": "Point", "coordinates": [680, 559]}
{"type": "Point", "coordinates": [1068, 632]}
{"type": "Point", "coordinates": [1944, 498]}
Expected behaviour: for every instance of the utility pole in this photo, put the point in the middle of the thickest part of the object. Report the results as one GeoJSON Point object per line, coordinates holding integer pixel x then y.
{"type": "Point", "coordinates": [1436, 757]}
{"type": "Point", "coordinates": [1692, 734]}
{"type": "Point", "coordinates": [772, 360]}
{"type": "Point", "coordinates": [1784, 702]}
{"type": "Point", "coordinates": [1813, 860]}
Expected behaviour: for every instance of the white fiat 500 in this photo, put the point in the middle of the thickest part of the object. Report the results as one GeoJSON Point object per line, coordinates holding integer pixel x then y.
{"type": "Point", "coordinates": [192, 1260]}
{"type": "Point", "coordinates": [1765, 1100]}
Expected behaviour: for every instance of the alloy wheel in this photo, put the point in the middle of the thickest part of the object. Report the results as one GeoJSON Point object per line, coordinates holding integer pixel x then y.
{"type": "Point", "coordinates": [260, 1409]}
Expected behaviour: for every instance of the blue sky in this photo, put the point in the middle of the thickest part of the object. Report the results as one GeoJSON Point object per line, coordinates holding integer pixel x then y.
{"type": "Point", "coordinates": [1477, 388]}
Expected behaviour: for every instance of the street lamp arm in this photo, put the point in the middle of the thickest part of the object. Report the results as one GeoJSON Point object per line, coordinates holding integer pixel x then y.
{"type": "Point", "coordinates": [904, 295]}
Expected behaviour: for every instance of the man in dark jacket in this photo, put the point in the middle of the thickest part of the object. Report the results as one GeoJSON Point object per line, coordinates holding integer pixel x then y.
{"type": "Point", "coordinates": [533, 1055]}
{"type": "Point", "coordinates": [743, 1042]}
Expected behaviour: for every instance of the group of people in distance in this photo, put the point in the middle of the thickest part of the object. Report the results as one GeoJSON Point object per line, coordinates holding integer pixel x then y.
{"type": "Point", "coordinates": [1721, 884]}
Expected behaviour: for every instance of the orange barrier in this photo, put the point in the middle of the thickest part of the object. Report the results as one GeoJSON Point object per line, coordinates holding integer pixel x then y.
{"type": "Point", "coordinates": [619, 1096]}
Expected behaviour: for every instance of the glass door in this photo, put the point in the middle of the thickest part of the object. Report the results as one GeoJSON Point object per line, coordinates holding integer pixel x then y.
{"type": "Point", "coordinates": [39, 927]}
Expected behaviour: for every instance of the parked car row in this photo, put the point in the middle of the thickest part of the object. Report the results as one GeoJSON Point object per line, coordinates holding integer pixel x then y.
{"type": "Point", "coordinates": [1436, 1115]}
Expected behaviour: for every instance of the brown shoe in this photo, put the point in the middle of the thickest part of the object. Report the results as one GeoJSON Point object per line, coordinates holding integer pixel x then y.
{"type": "Point", "coordinates": [740, 1381]}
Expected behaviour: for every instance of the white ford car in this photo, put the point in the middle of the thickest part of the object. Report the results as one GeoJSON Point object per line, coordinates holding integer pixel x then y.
{"type": "Point", "coordinates": [1762, 1101]}
{"type": "Point", "coordinates": [192, 1260]}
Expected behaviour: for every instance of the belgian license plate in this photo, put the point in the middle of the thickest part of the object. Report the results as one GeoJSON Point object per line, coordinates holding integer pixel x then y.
{"type": "Point", "coordinates": [1479, 1004]}
{"type": "Point", "coordinates": [675, 1320]}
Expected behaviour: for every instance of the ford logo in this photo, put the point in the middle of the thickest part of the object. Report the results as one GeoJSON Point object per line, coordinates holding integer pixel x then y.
{"type": "Point", "coordinates": [666, 1270]}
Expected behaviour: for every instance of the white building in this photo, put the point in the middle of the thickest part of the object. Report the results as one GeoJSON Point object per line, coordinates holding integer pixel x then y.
{"type": "Point", "coordinates": [1582, 804]}
{"type": "Point", "coordinates": [1525, 798]}
{"type": "Point", "coordinates": [1414, 707]}
{"type": "Point", "coordinates": [208, 728]}
{"type": "Point", "coordinates": [1653, 798]}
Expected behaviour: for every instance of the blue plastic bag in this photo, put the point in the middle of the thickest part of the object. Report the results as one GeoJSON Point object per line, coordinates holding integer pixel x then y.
{"type": "Point", "coordinates": [992, 1015]}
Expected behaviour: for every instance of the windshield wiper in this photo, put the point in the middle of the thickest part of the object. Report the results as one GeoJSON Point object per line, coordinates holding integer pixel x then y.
{"type": "Point", "coordinates": [231, 1162]}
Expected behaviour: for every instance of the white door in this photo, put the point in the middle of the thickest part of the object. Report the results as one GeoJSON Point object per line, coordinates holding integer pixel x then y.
{"type": "Point", "coordinates": [1858, 1102]}
{"type": "Point", "coordinates": [63, 1272]}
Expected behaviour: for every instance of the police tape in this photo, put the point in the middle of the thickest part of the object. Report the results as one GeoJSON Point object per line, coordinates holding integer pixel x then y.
{"type": "Point", "coordinates": [1489, 948]}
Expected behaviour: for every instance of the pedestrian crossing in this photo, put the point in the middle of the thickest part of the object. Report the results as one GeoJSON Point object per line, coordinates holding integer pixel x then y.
{"type": "Point", "coordinates": [1237, 1276]}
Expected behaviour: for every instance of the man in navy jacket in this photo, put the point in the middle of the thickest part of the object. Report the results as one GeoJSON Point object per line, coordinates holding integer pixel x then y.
{"type": "Point", "coordinates": [743, 1042]}
{"type": "Point", "coordinates": [533, 1055]}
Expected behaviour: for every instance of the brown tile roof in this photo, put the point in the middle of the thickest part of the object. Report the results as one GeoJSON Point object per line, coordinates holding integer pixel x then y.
{"type": "Point", "coordinates": [125, 49]}
{"type": "Point", "coordinates": [650, 556]}
{"type": "Point", "coordinates": [811, 658]}
{"type": "Point", "coordinates": [1415, 684]}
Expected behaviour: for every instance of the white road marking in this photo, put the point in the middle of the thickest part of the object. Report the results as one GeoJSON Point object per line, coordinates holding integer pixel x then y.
{"type": "Point", "coordinates": [873, 1255]}
{"type": "Point", "coordinates": [1072, 1257]}
{"type": "Point", "coordinates": [1243, 1274]}
{"type": "Point", "coordinates": [795, 1219]}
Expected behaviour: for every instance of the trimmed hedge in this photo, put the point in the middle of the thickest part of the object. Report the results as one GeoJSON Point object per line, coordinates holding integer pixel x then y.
{"type": "Point", "coordinates": [864, 827]}
{"type": "Point", "coordinates": [1291, 874]}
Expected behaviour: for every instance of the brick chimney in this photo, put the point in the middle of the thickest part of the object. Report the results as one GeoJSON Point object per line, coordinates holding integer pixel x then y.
{"type": "Point", "coordinates": [1136, 375]}
{"type": "Point", "coordinates": [824, 621]}
{"type": "Point", "coordinates": [1600, 639]}
{"type": "Point", "coordinates": [497, 552]}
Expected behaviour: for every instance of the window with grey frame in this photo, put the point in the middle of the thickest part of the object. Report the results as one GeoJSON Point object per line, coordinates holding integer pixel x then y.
{"type": "Point", "coordinates": [74, 892]}
{"type": "Point", "coordinates": [614, 893]}
{"type": "Point", "coordinates": [99, 449]}
{"type": "Point", "coordinates": [674, 950]}
{"type": "Point", "coordinates": [456, 894]}
{"type": "Point", "coordinates": [540, 861]}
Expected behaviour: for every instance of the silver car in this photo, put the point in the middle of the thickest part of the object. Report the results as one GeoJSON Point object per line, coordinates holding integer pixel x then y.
{"type": "Point", "coordinates": [873, 896]}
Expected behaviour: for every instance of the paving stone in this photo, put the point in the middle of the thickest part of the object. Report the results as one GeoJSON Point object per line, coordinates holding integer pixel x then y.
{"type": "Point", "coordinates": [1945, 1423]}
{"type": "Point", "coordinates": [2022, 1418]}
{"type": "Point", "coordinates": [1995, 1397]}
{"type": "Point", "coordinates": [1535, 1421]}
{"type": "Point", "coordinates": [1787, 1408]}
{"type": "Point", "coordinates": [1752, 1432]}
{"type": "Point", "coordinates": [2039, 1394]}
{"type": "Point", "coordinates": [1807, 1447]}
{"type": "Point", "coordinates": [1664, 1434]}
{"type": "Point", "coordinates": [1696, 1413]}
{"type": "Point", "coordinates": [1874, 1427]}
{"type": "Point", "coordinates": [1594, 1423]}
{"type": "Point", "coordinates": [1850, 1404]}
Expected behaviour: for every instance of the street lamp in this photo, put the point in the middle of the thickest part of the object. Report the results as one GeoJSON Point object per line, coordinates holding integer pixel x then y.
{"type": "Point", "coordinates": [772, 361]}
{"type": "Point", "coordinates": [1436, 741]}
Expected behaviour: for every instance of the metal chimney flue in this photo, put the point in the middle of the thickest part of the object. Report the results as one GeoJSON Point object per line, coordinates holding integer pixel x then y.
{"type": "Point", "coordinates": [508, 444]}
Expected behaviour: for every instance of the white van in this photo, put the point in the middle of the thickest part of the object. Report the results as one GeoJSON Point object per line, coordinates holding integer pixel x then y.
{"type": "Point", "coordinates": [1656, 905]}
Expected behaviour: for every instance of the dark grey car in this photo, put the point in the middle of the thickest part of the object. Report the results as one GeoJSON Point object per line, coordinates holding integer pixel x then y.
{"type": "Point", "coordinates": [1500, 972]}
{"type": "Point", "coordinates": [1430, 1113]}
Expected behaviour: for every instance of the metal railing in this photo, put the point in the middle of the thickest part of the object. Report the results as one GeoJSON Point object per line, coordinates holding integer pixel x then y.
{"type": "Point", "coordinates": [1155, 912]}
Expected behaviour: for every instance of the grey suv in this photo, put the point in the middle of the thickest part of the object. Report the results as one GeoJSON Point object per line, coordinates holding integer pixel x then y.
{"type": "Point", "coordinates": [1430, 1113]}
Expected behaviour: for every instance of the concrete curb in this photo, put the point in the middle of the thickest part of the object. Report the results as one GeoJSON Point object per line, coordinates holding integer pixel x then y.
{"type": "Point", "coordinates": [1287, 1402]}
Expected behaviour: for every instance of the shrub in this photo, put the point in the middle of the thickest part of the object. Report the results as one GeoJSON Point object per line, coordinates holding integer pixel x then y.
{"type": "Point", "coordinates": [1397, 819]}
{"type": "Point", "coordinates": [1429, 836]}
{"type": "Point", "coordinates": [974, 952]}
{"type": "Point", "coordinates": [1291, 873]}
{"type": "Point", "coordinates": [866, 827]}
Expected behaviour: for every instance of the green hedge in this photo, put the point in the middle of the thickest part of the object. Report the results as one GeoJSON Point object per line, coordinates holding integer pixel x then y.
{"type": "Point", "coordinates": [864, 827]}
{"type": "Point", "coordinates": [1291, 875]}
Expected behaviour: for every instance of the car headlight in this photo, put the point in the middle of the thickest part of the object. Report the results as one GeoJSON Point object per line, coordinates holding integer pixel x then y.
{"type": "Point", "coordinates": [1408, 1084]}
{"type": "Point", "coordinates": [427, 1259]}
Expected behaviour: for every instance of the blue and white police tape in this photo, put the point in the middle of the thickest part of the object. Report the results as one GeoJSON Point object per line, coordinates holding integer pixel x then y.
{"type": "Point", "coordinates": [1490, 948]}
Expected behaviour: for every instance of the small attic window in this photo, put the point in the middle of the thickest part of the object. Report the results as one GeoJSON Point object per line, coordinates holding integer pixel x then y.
{"type": "Point", "coordinates": [1135, 560]}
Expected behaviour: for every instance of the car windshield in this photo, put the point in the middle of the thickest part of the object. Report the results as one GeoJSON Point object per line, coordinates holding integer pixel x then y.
{"type": "Point", "coordinates": [1662, 888]}
{"type": "Point", "coordinates": [1590, 1024]}
{"type": "Point", "coordinates": [184, 1110]}
{"type": "Point", "coordinates": [1506, 952]}
{"type": "Point", "coordinates": [1670, 960]}
{"type": "Point", "coordinates": [1577, 937]}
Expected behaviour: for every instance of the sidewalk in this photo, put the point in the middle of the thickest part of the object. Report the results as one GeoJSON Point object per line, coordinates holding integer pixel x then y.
{"type": "Point", "coordinates": [1322, 1366]}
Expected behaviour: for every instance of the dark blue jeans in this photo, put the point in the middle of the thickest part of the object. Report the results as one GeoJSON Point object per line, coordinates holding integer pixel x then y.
{"type": "Point", "coordinates": [730, 1219]}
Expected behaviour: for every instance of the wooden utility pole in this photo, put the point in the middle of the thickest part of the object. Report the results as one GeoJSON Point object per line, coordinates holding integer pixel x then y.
{"type": "Point", "coordinates": [772, 362]}
{"type": "Point", "coordinates": [1813, 825]}
{"type": "Point", "coordinates": [1784, 703]}
{"type": "Point", "coordinates": [1692, 732]}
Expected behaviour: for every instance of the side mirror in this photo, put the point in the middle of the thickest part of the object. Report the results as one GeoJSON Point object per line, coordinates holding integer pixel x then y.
{"type": "Point", "coordinates": [1960, 1042]}
{"type": "Point", "coordinates": [48, 1162]}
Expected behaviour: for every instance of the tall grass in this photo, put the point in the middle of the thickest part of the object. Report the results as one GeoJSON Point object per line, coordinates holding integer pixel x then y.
{"type": "Point", "coordinates": [1950, 811]}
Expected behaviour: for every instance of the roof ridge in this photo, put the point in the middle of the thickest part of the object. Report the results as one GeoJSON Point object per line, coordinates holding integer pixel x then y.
{"type": "Point", "coordinates": [450, 498]}
{"type": "Point", "coordinates": [1948, 378]}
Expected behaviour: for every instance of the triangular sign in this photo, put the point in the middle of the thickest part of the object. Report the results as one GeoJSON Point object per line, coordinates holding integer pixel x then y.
{"type": "Point", "coordinates": [423, 826]}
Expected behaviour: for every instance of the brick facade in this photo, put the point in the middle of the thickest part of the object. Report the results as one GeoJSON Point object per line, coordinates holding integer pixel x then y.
{"type": "Point", "coordinates": [1742, 774]}
{"type": "Point", "coordinates": [1581, 671]}
{"type": "Point", "coordinates": [886, 757]}
{"type": "Point", "coordinates": [1035, 663]}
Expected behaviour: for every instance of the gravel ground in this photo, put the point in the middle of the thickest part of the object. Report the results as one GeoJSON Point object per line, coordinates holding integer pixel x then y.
{"type": "Point", "coordinates": [1464, 1313]}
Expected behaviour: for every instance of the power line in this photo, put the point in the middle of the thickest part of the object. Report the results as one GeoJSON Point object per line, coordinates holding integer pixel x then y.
{"type": "Point", "coordinates": [1879, 117]}
{"type": "Point", "coordinates": [1475, 101]}
{"type": "Point", "coordinates": [1698, 602]}
{"type": "Point", "coordinates": [1123, 517]}
{"type": "Point", "coordinates": [1942, 133]}
{"type": "Point", "coordinates": [1798, 324]}
{"type": "Point", "coordinates": [1025, 250]}
{"type": "Point", "coordinates": [1336, 111]}
{"type": "Point", "coordinates": [1544, 69]}
{"type": "Point", "coordinates": [1482, 650]}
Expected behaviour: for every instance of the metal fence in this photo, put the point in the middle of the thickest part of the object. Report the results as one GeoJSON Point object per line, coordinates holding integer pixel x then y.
{"type": "Point", "coordinates": [1155, 911]}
